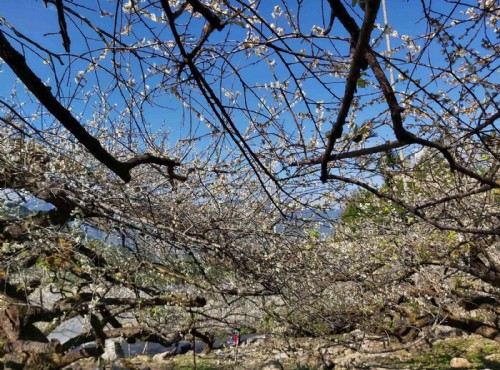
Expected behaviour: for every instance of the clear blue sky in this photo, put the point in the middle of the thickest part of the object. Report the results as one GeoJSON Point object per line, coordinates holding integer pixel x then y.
{"type": "Point", "coordinates": [39, 22]}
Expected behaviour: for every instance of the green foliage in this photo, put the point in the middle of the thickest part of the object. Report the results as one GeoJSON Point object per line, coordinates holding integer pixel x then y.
{"type": "Point", "coordinates": [42, 263]}
{"type": "Point", "coordinates": [267, 322]}
{"type": "Point", "coordinates": [391, 159]}
{"type": "Point", "coordinates": [314, 234]}
{"type": "Point", "coordinates": [247, 331]}
{"type": "Point", "coordinates": [350, 213]}
{"type": "Point", "coordinates": [365, 206]}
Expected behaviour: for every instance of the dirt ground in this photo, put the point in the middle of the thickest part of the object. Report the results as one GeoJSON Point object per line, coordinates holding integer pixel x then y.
{"type": "Point", "coordinates": [304, 354]}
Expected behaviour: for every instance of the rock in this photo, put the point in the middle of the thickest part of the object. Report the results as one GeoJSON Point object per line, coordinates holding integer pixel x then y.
{"type": "Point", "coordinates": [446, 332]}
{"type": "Point", "coordinates": [123, 364]}
{"type": "Point", "coordinates": [335, 351]}
{"type": "Point", "coordinates": [308, 361]}
{"type": "Point", "coordinates": [256, 340]}
{"type": "Point", "coordinates": [218, 345]}
{"type": "Point", "coordinates": [112, 350]}
{"type": "Point", "coordinates": [142, 358]}
{"type": "Point", "coordinates": [271, 365]}
{"type": "Point", "coordinates": [493, 357]}
{"type": "Point", "coordinates": [459, 362]}
{"type": "Point", "coordinates": [281, 356]}
{"type": "Point", "coordinates": [163, 357]}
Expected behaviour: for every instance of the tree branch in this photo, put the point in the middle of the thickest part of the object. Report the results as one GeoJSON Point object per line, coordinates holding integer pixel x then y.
{"type": "Point", "coordinates": [206, 12]}
{"type": "Point", "coordinates": [357, 61]}
{"type": "Point", "coordinates": [78, 355]}
{"type": "Point", "coordinates": [62, 25]}
{"type": "Point", "coordinates": [17, 63]}
{"type": "Point", "coordinates": [353, 154]}
{"type": "Point", "coordinates": [130, 333]}
{"type": "Point", "coordinates": [412, 210]}
{"type": "Point", "coordinates": [403, 135]}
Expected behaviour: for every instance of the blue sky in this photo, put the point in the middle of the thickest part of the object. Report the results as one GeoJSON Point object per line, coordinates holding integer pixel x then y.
{"type": "Point", "coordinates": [39, 22]}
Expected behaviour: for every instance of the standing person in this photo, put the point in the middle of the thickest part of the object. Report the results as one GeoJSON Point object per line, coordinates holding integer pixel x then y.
{"type": "Point", "coordinates": [236, 337]}
{"type": "Point", "coordinates": [236, 342]}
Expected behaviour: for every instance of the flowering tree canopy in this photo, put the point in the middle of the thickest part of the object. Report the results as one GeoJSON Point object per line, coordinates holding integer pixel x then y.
{"type": "Point", "coordinates": [213, 143]}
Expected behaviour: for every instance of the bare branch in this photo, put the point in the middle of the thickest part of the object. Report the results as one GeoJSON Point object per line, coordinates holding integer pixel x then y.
{"type": "Point", "coordinates": [354, 154]}
{"type": "Point", "coordinates": [62, 25]}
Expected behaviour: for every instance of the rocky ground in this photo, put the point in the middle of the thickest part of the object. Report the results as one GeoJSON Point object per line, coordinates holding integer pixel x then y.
{"type": "Point", "coordinates": [347, 352]}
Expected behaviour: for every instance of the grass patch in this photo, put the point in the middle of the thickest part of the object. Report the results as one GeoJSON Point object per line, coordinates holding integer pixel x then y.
{"type": "Point", "coordinates": [185, 362]}
{"type": "Point", "coordinates": [211, 361]}
{"type": "Point", "coordinates": [441, 353]}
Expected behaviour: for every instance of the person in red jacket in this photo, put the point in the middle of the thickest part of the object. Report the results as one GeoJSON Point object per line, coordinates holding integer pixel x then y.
{"type": "Point", "coordinates": [236, 337]}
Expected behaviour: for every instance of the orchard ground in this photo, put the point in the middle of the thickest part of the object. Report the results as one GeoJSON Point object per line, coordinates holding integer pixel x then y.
{"type": "Point", "coordinates": [342, 352]}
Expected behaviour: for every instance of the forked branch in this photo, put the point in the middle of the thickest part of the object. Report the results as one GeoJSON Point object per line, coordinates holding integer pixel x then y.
{"type": "Point", "coordinates": [357, 61]}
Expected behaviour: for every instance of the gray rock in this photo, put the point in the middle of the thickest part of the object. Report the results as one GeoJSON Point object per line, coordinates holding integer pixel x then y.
{"type": "Point", "coordinates": [256, 340]}
{"type": "Point", "coordinates": [271, 365]}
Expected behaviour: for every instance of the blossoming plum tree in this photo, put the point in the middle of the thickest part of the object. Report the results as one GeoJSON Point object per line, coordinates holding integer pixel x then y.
{"type": "Point", "coordinates": [213, 140]}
